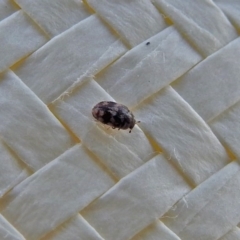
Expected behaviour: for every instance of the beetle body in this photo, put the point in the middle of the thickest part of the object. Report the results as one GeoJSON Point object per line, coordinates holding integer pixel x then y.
{"type": "Point", "coordinates": [114, 114]}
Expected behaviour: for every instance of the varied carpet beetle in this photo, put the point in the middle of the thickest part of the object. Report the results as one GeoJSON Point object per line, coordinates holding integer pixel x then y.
{"type": "Point", "coordinates": [114, 114]}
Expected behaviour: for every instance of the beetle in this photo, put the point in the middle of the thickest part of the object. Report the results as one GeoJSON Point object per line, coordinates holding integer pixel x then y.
{"type": "Point", "coordinates": [114, 114]}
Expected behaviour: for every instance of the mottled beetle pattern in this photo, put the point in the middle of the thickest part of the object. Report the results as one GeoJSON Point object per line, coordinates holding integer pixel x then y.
{"type": "Point", "coordinates": [114, 114]}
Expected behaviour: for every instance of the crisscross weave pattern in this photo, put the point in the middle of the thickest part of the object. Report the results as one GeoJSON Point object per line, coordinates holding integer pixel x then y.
{"type": "Point", "coordinates": [175, 64]}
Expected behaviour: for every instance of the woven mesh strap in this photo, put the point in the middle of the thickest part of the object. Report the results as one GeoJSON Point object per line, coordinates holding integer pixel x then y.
{"type": "Point", "coordinates": [175, 64]}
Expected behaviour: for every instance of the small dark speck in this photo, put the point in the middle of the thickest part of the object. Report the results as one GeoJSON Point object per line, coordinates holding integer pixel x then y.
{"type": "Point", "coordinates": [148, 43]}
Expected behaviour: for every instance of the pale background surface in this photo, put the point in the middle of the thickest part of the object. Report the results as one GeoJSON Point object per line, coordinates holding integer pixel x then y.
{"type": "Point", "coordinates": [64, 176]}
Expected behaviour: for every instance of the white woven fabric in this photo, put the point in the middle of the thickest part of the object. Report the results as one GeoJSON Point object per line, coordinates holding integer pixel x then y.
{"type": "Point", "coordinates": [175, 64]}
